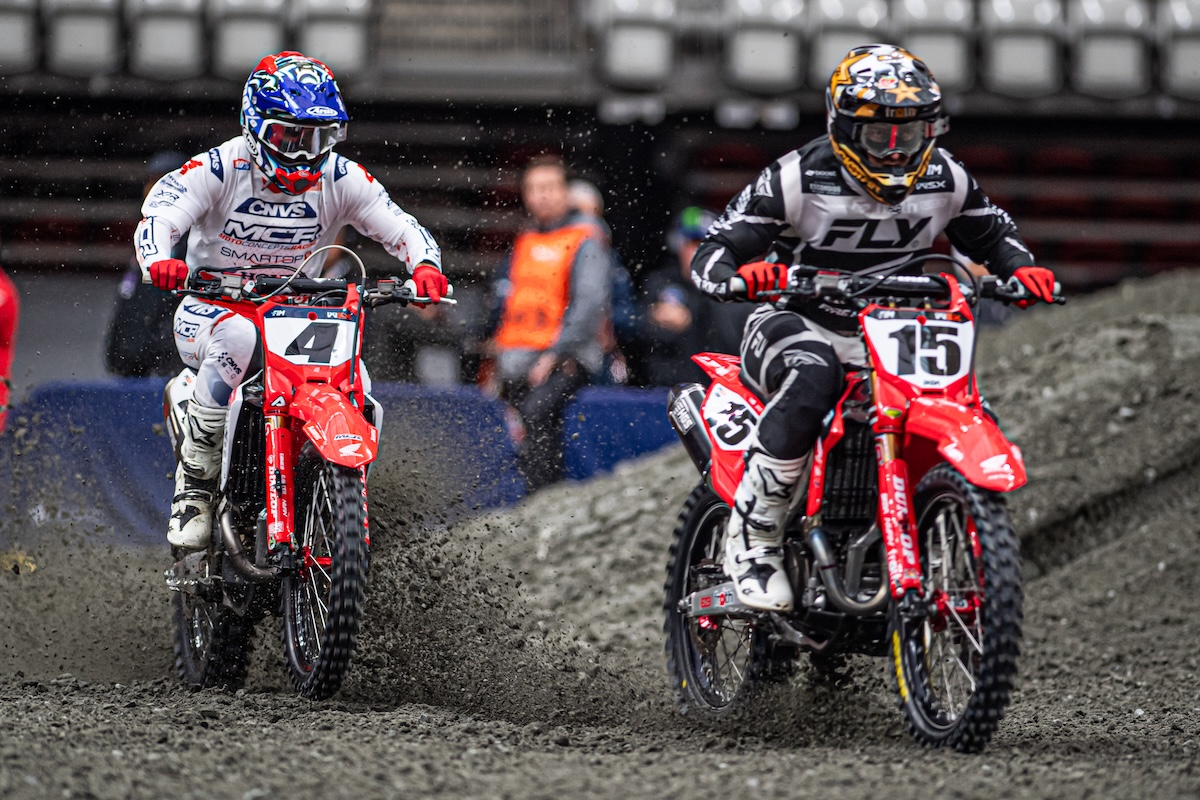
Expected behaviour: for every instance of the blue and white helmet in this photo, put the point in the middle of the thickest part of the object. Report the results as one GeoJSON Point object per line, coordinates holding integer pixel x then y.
{"type": "Point", "coordinates": [292, 116]}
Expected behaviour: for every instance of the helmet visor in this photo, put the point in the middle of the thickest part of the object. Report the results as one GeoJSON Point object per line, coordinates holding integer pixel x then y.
{"type": "Point", "coordinates": [295, 141]}
{"type": "Point", "coordinates": [882, 139]}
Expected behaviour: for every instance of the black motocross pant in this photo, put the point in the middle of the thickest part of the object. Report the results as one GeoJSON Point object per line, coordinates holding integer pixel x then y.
{"type": "Point", "coordinates": [795, 369]}
{"type": "Point", "coordinates": [540, 459]}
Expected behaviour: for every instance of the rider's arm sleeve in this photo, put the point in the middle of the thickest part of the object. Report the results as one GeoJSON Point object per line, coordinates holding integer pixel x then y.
{"type": "Point", "coordinates": [591, 292]}
{"type": "Point", "coordinates": [175, 202]}
{"type": "Point", "coordinates": [373, 213]}
{"type": "Point", "coordinates": [986, 234]}
{"type": "Point", "coordinates": [751, 222]}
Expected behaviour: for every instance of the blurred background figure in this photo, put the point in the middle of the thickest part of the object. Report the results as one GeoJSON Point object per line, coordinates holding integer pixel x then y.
{"type": "Point", "coordinates": [621, 334]}
{"type": "Point", "coordinates": [677, 320]}
{"type": "Point", "coordinates": [139, 340]}
{"type": "Point", "coordinates": [9, 311]}
{"type": "Point", "coordinates": [553, 303]}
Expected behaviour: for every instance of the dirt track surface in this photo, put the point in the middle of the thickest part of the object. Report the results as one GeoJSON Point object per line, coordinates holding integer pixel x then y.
{"type": "Point", "coordinates": [518, 654]}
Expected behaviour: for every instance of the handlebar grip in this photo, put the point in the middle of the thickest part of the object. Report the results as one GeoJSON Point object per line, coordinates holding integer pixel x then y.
{"type": "Point", "coordinates": [410, 295]}
{"type": "Point", "coordinates": [737, 287]}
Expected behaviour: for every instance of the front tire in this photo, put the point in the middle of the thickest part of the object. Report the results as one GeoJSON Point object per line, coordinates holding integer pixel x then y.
{"type": "Point", "coordinates": [954, 665]}
{"type": "Point", "coordinates": [713, 663]}
{"type": "Point", "coordinates": [323, 599]}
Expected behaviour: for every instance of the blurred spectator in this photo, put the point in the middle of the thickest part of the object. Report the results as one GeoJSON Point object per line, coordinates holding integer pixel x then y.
{"type": "Point", "coordinates": [139, 340]}
{"type": "Point", "coordinates": [622, 335]}
{"type": "Point", "coordinates": [9, 308]}
{"type": "Point", "coordinates": [553, 300]}
{"type": "Point", "coordinates": [677, 319]}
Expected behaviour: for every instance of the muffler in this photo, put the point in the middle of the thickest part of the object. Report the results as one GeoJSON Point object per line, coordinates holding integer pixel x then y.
{"type": "Point", "coordinates": [683, 409]}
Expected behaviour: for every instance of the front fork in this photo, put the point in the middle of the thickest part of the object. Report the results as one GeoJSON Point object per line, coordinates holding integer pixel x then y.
{"type": "Point", "coordinates": [281, 524]}
{"type": "Point", "coordinates": [895, 517]}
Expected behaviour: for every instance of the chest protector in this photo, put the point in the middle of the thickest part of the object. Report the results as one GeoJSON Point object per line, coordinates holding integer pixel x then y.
{"type": "Point", "coordinates": [540, 287]}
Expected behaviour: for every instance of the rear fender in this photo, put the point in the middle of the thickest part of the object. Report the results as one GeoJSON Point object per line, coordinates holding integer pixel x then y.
{"type": "Point", "coordinates": [730, 412]}
{"type": "Point", "coordinates": [337, 429]}
{"type": "Point", "coordinates": [967, 438]}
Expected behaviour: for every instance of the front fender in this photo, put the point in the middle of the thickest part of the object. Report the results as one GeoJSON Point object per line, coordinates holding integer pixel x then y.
{"type": "Point", "coordinates": [337, 429]}
{"type": "Point", "coordinates": [969, 440]}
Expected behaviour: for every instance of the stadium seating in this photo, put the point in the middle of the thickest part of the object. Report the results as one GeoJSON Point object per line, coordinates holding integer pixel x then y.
{"type": "Point", "coordinates": [243, 31]}
{"type": "Point", "coordinates": [637, 42]}
{"type": "Point", "coordinates": [836, 26]}
{"type": "Point", "coordinates": [83, 37]}
{"type": "Point", "coordinates": [1022, 46]}
{"type": "Point", "coordinates": [334, 31]}
{"type": "Point", "coordinates": [1110, 41]}
{"type": "Point", "coordinates": [1179, 46]}
{"type": "Point", "coordinates": [765, 48]}
{"type": "Point", "coordinates": [942, 33]}
{"type": "Point", "coordinates": [19, 48]}
{"type": "Point", "coordinates": [166, 38]}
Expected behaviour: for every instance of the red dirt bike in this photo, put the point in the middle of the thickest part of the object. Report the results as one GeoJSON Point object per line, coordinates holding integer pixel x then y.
{"type": "Point", "coordinates": [899, 544]}
{"type": "Point", "coordinates": [291, 513]}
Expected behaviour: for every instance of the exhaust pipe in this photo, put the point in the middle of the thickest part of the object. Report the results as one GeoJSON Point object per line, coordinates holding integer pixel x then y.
{"type": "Point", "coordinates": [827, 564]}
{"type": "Point", "coordinates": [683, 409]}
{"type": "Point", "coordinates": [237, 556]}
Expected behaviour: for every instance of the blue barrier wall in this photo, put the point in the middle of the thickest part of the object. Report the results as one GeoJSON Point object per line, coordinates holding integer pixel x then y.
{"type": "Point", "coordinates": [96, 452]}
{"type": "Point", "coordinates": [607, 425]}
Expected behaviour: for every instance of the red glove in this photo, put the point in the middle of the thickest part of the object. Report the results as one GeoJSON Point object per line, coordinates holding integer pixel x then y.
{"type": "Point", "coordinates": [1039, 282]}
{"type": "Point", "coordinates": [430, 283]}
{"type": "Point", "coordinates": [761, 277]}
{"type": "Point", "coordinates": [168, 274]}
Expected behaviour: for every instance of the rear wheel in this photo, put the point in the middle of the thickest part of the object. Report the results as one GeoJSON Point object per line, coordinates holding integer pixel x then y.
{"type": "Point", "coordinates": [323, 600]}
{"type": "Point", "coordinates": [712, 662]}
{"type": "Point", "coordinates": [955, 664]}
{"type": "Point", "coordinates": [212, 642]}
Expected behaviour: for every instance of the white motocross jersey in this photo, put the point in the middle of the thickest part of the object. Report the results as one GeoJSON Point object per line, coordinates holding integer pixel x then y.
{"type": "Point", "coordinates": [238, 221]}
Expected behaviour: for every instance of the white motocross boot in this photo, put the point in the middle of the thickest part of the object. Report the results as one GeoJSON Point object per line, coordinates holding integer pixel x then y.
{"type": "Point", "coordinates": [754, 538]}
{"type": "Point", "coordinates": [196, 476]}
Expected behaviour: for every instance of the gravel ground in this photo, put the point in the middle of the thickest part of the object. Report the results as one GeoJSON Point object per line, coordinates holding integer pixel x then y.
{"type": "Point", "coordinates": [519, 654]}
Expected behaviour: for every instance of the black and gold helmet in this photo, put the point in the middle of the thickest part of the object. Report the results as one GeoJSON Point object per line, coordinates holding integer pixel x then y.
{"type": "Point", "coordinates": [883, 100]}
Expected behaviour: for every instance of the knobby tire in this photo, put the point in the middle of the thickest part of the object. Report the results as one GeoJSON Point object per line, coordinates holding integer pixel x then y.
{"type": "Point", "coordinates": [332, 499]}
{"type": "Point", "coordinates": [997, 626]}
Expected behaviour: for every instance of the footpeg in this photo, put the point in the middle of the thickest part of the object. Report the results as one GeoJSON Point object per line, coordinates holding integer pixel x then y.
{"type": "Point", "coordinates": [187, 574]}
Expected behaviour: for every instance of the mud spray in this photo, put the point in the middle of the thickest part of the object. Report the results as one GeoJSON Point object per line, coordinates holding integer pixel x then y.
{"type": "Point", "coordinates": [518, 654]}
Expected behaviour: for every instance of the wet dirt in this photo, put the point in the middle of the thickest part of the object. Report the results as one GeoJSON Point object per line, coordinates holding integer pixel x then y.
{"type": "Point", "coordinates": [518, 654]}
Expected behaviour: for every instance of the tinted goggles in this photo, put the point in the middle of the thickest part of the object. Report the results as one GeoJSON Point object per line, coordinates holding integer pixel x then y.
{"type": "Point", "coordinates": [882, 139]}
{"type": "Point", "coordinates": [294, 140]}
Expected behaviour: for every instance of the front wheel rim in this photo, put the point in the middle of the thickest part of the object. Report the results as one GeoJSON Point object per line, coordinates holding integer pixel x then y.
{"type": "Point", "coordinates": [314, 582]}
{"type": "Point", "coordinates": [952, 631]}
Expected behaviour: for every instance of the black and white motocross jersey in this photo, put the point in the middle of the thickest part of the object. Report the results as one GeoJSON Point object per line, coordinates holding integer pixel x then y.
{"type": "Point", "coordinates": [804, 209]}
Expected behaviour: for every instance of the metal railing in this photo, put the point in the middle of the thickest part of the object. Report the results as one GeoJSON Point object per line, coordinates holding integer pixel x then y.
{"type": "Point", "coordinates": [479, 28]}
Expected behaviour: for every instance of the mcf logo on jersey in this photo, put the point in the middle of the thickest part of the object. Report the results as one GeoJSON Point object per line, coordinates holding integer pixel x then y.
{"type": "Point", "coordinates": [237, 230]}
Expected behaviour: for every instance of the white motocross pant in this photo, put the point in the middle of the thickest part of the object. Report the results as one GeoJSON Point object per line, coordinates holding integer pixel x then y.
{"type": "Point", "coordinates": [220, 346]}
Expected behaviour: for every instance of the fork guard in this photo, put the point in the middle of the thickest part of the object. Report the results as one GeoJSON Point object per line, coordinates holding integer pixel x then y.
{"type": "Point", "coordinates": [335, 427]}
{"type": "Point", "coordinates": [970, 441]}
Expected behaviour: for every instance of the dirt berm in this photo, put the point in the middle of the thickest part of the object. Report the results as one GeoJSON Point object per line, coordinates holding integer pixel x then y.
{"type": "Point", "coordinates": [519, 655]}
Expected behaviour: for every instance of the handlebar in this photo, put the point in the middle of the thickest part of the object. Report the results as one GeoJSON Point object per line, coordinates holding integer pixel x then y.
{"type": "Point", "coordinates": [812, 282]}
{"type": "Point", "coordinates": [236, 286]}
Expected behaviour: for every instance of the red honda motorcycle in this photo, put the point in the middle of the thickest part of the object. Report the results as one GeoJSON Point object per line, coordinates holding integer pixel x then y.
{"type": "Point", "coordinates": [899, 544]}
{"type": "Point", "coordinates": [290, 533]}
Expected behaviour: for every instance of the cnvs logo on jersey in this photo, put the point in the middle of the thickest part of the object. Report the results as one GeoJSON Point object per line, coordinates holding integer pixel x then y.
{"type": "Point", "coordinates": [264, 208]}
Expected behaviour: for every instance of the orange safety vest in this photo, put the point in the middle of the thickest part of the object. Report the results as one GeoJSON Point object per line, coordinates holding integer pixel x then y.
{"type": "Point", "coordinates": [540, 287]}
